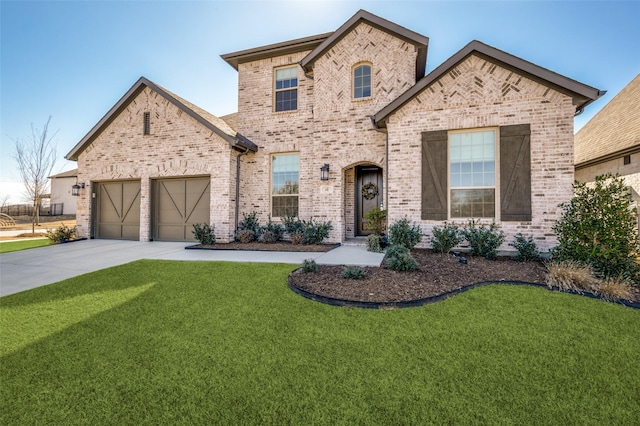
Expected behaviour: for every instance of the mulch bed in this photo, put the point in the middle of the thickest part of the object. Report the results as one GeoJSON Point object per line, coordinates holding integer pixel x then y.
{"type": "Point", "coordinates": [438, 274]}
{"type": "Point", "coordinates": [258, 246]}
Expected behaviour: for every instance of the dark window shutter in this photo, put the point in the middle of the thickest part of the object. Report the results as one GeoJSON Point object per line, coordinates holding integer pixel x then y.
{"type": "Point", "coordinates": [515, 173]}
{"type": "Point", "coordinates": [434, 175]}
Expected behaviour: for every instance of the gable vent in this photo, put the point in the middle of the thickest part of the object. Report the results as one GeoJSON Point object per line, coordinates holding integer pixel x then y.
{"type": "Point", "coordinates": [146, 124]}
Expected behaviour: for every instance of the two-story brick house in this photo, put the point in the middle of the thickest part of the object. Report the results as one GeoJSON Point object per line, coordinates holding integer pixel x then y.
{"type": "Point", "coordinates": [332, 125]}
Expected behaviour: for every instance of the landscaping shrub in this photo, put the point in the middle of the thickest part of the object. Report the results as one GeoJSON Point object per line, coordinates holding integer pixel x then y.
{"type": "Point", "coordinates": [527, 249]}
{"type": "Point", "coordinates": [398, 258]}
{"type": "Point", "coordinates": [293, 225]}
{"type": "Point", "coordinates": [484, 240]}
{"type": "Point", "coordinates": [62, 233]}
{"type": "Point", "coordinates": [571, 275]}
{"type": "Point", "coordinates": [315, 232]}
{"type": "Point", "coordinates": [374, 243]}
{"type": "Point", "coordinates": [445, 238]}
{"type": "Point", "coordinates": [376, 220]}
{"type": "Point", "coordinates": [250, 222]}
{"type": "Point", "coordinates": [246, 236]}
{"type": "Point", "coordinates": [297, 238]}
{"type": "Point", "coordinates": [599, 227]}
{"type": "Point", "coordinates": [204, 233]}
{"type": "Point", "coordinates": [403, 233]}
{"type": "Point", "coordinates": [353, 273]}
{"type": "Point", "coordinates": [613, 288]}
{"type": "Point", "coordinates": [309, 265]}
{"type": "Point", "coordinates": [271, 232]}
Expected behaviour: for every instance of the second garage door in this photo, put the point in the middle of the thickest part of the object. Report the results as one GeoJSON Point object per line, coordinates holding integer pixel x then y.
{"type": "Point", "coordinates": [178, 204]}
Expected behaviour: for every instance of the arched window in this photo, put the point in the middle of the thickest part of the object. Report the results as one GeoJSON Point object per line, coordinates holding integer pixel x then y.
{"type": "Point", "coordinates": [362, 81]}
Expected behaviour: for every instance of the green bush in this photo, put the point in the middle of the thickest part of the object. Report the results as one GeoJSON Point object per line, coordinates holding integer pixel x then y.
{"type": "Point", "coordinates": [598, 227]}
{"type": "Point", "coordinates": [309, 265]}
{"type": "Point", "coordinates": [484, 240]}
{"type": "Point", "coordinates": [353, 273]}
{"type": "Point", "coordinates": [204, 233]}
{"type": "Point", "coordinates": [445, 238]}
{"type": "Point", "coordinates": [315, 232]}
{"type": "Point", "coordinates": [376, 220]}
{"type": "Point", "coordinates": [250, 222]}
{"type": "Point", "coordinates": [403, 233]}
{"type": "Point", "coordinates": [292, 225]}
{"type": "Point", "coordinates": [271, 232]}
{"type": "Point", "coordinates": [398, 258]}
{"type": "Point", "coordinates": [374, 243]}
{"type": "Point", "coordinates": [62, 233]}
{"type": "Point", "coordinates": [527, 249]}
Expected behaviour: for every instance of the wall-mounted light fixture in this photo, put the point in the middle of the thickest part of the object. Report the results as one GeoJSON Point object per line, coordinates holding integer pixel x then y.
{"type": "Point", "coordinates": [324, 172]}
{"type": "Point", "coordinates": [75, 188]}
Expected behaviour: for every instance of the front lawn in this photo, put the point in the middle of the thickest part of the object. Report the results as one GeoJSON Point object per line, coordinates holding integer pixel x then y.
{"type": "Point", "coordinates": [6, 247]}
{"type": "Point", "coordinates": [165, 342]}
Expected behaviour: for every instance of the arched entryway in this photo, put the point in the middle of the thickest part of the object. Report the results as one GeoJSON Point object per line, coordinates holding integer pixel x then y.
{"type": "Point", "coordinates": [368, 194]}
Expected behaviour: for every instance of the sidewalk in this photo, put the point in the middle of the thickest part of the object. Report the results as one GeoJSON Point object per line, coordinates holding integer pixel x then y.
{"type": "Point", "coordinates": [26, 269]}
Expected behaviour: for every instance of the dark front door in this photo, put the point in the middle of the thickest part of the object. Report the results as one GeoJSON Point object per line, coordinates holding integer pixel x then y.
{"type": "Point", "coordinates": [368, 194]}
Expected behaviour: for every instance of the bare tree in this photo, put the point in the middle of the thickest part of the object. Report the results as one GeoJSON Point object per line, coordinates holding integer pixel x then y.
{"type": "Point", "coordinates": [36, 157]}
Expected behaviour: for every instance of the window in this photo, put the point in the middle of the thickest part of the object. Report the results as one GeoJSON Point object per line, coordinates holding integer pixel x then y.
{"type": "Point", "coordinates": [284, 184]}
{"type": "Point", "coordinates": [627, 160]}
{"type": "Point", "coordinates": [362, 82]}
{"type": "Point", "coordinates": [146, 126]}
{"type": "Point", "coordinates": [472, 174]}
{"type": "Point", "coordinates": [286, 89]}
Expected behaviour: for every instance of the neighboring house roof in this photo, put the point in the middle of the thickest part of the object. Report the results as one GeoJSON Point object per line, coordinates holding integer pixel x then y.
{"type": "Point", "coordinates": [210, 121]}
{"type": "Point", "coordinates": [614, 131]}
{"type": "Point", "coordinates": [419, 41]}
{"type": "Point", "coordinates": [581, 93]}
{"type": "Point", "coordinates": [271, 50]}
{"type": "Point", "coordinates": [67, 174]}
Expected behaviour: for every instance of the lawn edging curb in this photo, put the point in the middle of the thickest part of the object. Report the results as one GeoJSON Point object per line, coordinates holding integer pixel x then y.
{"type": "Point", "coordinates": [433, 299]}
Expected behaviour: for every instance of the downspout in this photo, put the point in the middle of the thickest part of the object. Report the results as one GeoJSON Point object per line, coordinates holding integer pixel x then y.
{"type": "Point", "coordinates": [235, 230]}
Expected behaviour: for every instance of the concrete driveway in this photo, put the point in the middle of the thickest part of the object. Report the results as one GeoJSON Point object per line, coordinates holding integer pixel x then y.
{"type": "Point", "coordinates": [26, 269]}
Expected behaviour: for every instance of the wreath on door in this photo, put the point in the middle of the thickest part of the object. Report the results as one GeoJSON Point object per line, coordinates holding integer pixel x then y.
{"type": "Point", "coordinates": [369, 191]}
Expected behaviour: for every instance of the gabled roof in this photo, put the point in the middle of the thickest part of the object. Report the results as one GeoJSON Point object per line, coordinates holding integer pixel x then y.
{"type": "Point", "coordinates": [581, 93]}
{"type": "Point", "coordinates": [210, 121]}
{"type": "Point", "coordinates": [614, 131]}
{"type": "Point", "coordinates": [67, 174]}
{"type": "Point", "coordinates": [271, 50]}
{"type": "Point", "coordinates": [419, 41]}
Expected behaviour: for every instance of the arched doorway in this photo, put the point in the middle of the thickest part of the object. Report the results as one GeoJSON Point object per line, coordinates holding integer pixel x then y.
{"type": "Point", "coordinates": [368, 194]}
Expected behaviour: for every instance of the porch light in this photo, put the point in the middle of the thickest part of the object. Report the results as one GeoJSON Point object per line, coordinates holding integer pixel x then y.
{"type": "Point", "coordinates": [75, 188]}
{"type": "Point", "coordinates": [324, 172]}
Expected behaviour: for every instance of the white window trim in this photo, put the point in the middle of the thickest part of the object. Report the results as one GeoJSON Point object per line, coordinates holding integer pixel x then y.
{"type": "Point", "coordinates": [271, 195]}
{"type": "Point", "coordinates": [464, 220]}
{"type": "Point", "coordinates": [282, 90]}
{"type": "Point", "coordinates": [353, 82]}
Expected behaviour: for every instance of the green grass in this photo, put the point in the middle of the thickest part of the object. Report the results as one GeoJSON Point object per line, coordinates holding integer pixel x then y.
{"type": "Point", "coordinates": [9, 246]}
{"type": "Point", "coordinates": [161, 342]}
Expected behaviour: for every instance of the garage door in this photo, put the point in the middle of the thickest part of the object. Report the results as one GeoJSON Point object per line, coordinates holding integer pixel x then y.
{"type": "Point", "coordinates": [178, 204]}
{"type": "Point", "coordinates": [118, 210]}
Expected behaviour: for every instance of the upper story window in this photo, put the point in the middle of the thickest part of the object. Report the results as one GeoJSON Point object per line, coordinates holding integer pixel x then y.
{"type": "Point", "coordinates": [472, 174]}
{"type": "Point", "coordinates": [362, 81]}
{"type": "Point", "coordinates": [286, 89]}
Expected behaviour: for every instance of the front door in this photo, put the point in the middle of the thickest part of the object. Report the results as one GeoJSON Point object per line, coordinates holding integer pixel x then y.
{"type": "Point", "coordinates": [368, 194]}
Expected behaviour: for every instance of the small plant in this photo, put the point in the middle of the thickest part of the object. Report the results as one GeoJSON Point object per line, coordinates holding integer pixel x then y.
{"type": "Point", "coordinates": [309, 266]}
{"type": "Point", "coordinates": [484, 240]}
{"type": "Point", "coordinates": [445, 238]}
{"type": "Point", "coordinates": [204, 233]}
{"type": "Point", "coordinates": [613, 288]}
{"type": "Point", "coordinates": [374, 243]}
{"type": "Point", "coordinates": [246, 236]}
{"type": "Point", "coordinates": [376, 220]}
{"type": "Point", "coordinates": [599, 227]}
{"type": "Point", "coordinates": [297, 238]}
{"type": "Point", "coordinates": [403, 233]}
{"type": "Point", "coordinates": [527, 249]}
{"type": "Point", "coordinates": [271, 232]}
{"type": "Point", "coordinates": [315, 232]}
{"type": "Point", "coordinates": [62, 233]}
{"type": "Point", "coordinates": [250, 222]}
{"type": "Point", "coordinates": [292, 225]}
{"type": "Point", "coordinates": [353, 273]}
{"type": "Point", "coordinates": [571, 275]}
{"type": "Point", "coordinates": [398, 258]}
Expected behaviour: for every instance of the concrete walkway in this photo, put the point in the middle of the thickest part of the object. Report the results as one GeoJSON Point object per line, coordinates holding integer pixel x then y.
{"type": "Point", "coordinates": [26, 269]}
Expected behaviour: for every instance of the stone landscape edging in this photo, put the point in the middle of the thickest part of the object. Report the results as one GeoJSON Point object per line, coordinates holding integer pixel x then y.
{"type": "Point", "coordinates": [212, 247]}
{"type": "Point", "coordinates": [428, 300]}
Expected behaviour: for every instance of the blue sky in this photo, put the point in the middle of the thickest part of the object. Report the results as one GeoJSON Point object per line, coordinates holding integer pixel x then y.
{"type": "Point", "coordinates": [73, 60]}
